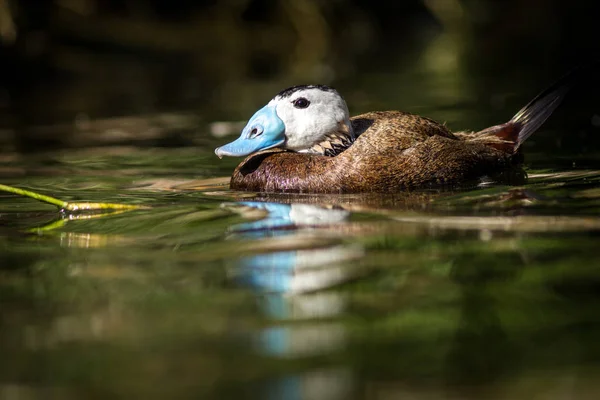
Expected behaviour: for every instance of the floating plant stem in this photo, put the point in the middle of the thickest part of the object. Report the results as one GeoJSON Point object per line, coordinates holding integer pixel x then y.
{"type": "Point", "coordinates": [69, 206]}
{"type": "Point", "coordinates": [33, 195]}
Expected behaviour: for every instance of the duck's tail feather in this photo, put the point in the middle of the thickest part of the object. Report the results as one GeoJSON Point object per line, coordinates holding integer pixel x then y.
{"type": "Point", "coordinates": [528, 119]}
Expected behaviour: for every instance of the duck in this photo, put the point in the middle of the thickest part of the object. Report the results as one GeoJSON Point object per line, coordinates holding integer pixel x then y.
{"type": "Point", "coordinates": [304, 141]}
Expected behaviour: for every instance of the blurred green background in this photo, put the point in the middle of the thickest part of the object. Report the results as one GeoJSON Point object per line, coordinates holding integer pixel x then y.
{"type": "Point", "coordinates": [466, 62]}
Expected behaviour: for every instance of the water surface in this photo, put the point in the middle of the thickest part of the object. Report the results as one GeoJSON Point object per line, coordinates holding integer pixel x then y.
{"type": "Point", "coordinates": [488, 292]}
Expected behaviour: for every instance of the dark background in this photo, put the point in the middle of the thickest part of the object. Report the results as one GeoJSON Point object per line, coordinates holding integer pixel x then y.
{"type": "Point", "coordinates": [467, 62]}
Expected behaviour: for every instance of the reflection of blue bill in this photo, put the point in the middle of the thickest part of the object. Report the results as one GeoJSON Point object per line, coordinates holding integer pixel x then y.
{"type": "Point", "coordinates": [293, 271]}
{"type": "Point", "coordinates": [269, 272]}
{"type": "Point", "coordinates": [299, 271]}
{"type": "Point", "coordinates": [280, 215]}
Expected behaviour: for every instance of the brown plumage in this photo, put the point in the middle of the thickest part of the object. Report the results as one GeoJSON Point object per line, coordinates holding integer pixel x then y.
{"type": "Point", "coordinates": [394, 151]}
{"type": "Point", "coordinates": [424, 153]}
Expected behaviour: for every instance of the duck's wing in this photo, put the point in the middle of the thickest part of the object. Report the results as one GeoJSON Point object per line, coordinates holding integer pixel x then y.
{"type": "Point", "coordinates": [398, 123]}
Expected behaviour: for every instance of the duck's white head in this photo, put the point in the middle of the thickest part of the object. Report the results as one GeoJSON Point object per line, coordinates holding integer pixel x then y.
{"type": "Point", "coordinates": [307, 118]}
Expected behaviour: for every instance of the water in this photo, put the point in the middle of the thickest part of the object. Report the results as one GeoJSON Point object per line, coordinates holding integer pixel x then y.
{"type": "Point", "coordinates": [478, 293]}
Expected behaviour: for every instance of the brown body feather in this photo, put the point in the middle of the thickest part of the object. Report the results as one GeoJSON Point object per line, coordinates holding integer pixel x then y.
{"type": "Point", "coordinates": [393, 151]}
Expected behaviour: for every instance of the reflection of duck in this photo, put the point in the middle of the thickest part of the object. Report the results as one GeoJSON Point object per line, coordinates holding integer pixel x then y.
{"type": "Point", "coordinates": [295, 214]}
{"type": "Point", "coordinates": [296, 270]}
{"type": "Point", "coordinates": [291, 284]}
{"type": "Point", "coordinates": [316, 147]}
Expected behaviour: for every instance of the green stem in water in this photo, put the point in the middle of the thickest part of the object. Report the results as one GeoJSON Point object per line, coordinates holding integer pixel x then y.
{"type": "Point", "coordinates": [64, 205]}
{"type": "Point", "coordinates": [33, 195]}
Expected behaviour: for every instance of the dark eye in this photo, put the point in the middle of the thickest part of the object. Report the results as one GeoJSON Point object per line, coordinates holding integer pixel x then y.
{"type": "Point", "coordinates": [301, 102]}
